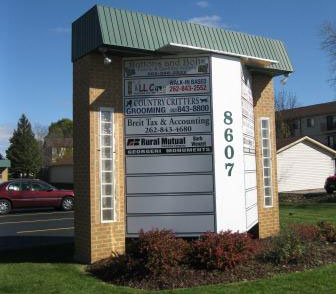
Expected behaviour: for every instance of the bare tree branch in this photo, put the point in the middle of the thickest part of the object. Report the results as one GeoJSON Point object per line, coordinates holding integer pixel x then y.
{"type": "Point", "coordinates": [40, 132]}
{"type": "Point", "coordinates": [328, 44]}
{"type": "Point", "coordinates": [284, 100]}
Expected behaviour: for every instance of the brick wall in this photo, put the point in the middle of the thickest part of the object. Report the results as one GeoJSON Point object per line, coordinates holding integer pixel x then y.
{"type": "Point", "coordinates": [4, 175]}
{"type": "Point", "coordinates": [96, 85]}
{"type": "Point", "coordinates": [263, 95]}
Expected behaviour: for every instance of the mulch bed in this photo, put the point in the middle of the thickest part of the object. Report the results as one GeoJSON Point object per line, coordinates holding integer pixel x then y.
{"type": "Point", "coordinates": [183, 277]}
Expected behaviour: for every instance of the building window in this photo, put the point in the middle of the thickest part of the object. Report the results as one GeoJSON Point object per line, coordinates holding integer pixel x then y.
{"type": "Point", "coordinates": [296, 124]}
{"type": "Point", "coordinates": [267, 164]}
{"type": "Point", "coordinates": [332, 142]}
{"type": "Point", "coordinates": [331, 122]}
{"type": "Point", "coordinates": [310, 122]}
{"type": "Point", "coordinates": [107, 184]}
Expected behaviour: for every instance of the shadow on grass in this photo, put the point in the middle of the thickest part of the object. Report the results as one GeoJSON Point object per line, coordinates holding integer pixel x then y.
{"type": "Point", "coordinates": [50, 250]}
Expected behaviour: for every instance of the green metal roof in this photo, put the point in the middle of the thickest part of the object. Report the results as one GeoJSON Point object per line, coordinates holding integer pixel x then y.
{"type": "Point", "coordinates": [137, 32]}
{"type": "Point", "coordinates": [5, 163]}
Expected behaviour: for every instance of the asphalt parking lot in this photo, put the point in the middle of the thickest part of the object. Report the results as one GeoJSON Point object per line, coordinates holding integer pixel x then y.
{"type": "Point", "coordinates": [30, 228]}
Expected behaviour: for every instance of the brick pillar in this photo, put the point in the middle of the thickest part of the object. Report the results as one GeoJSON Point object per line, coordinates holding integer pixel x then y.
{"type": "Point", "coordinates": [96, 85]}
{"type": "Point", "coordinates": [263, 96]}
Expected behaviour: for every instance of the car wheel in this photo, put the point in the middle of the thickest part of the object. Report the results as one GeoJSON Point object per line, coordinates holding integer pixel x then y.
{"type": "Point", "coordinates": [68, 203]}
{"type": "Point", "coordinates": [5, 206]}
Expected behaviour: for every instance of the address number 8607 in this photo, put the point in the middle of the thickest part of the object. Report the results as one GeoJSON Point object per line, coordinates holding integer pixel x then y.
{"type": "Point", "coordinates": [228, 136]}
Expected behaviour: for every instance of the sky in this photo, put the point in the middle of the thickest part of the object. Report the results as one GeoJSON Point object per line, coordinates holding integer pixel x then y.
{"type": "Point", "coordinates": [35, 48]}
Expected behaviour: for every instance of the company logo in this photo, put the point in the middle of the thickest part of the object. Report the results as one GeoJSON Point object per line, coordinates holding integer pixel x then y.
{"type": "Point", "coordinates": [133, 142]}
{"type": "Point", "coordinates": [129, 103]}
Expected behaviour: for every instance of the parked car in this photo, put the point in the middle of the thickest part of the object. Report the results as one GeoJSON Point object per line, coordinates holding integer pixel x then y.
{"type": "Point", "coordinates": [330, 184]}
{"type": "Point", "coordinates": [24, 193]}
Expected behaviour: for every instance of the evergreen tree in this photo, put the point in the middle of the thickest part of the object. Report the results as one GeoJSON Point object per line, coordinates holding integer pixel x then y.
{"type": "Point", "coordinates": [23, 151]}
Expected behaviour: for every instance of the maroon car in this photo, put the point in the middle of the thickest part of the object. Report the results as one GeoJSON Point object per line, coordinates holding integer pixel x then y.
{"type": "Point", "coordinates": [24, 193]}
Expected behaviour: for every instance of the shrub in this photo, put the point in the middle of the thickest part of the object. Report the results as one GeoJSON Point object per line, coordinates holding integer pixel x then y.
{"type": "Point", "coordinates": [328, 231]}
{"type": "Point", "coordinates": [287, 248]}
{"type": "Point", "coordinates": [221, 250]}
{"type": "Point", "coordinates": [155, 254]}
{"type": "Point", "coordinates": [306, 232]}
{"type": "Point", "coordinates": [159, 251]}
{"type": "Point", "coordinates": [118, 268]}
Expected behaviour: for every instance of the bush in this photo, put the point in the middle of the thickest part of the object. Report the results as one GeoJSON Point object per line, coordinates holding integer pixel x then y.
{"type": "Point", "coordinates": [159, 251]}
{"type": "Point", "coordinates": [118, 268]}
{"type": "Point", "coordinates": [155, 254]}
{"type": "Point", "coordinates": [328, 231]}
{"type": "Point", "coordinates": [287, 248]}
{"type": "Point", "coordinates": [306, 232]}
{"type": "Point", "coordinates": [221, 251]}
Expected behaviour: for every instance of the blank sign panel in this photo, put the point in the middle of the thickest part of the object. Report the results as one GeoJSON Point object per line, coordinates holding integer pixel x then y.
{"type": "Point", "coordinates": [250, 180]}
{"type": "Point", "coordinates": [170, 204]}
{"type": "Point", "coordinates": [250, 162]}
{"type": "Point", "coordinates": [168, 164]}
{"type": "Point", "coordinates": [251, 197]}
{"type": "Point", "coordinates": [251, 216]}
{"type": "Point", "coordinates": [169, 184]}
{"type": "Point", "coordinates": [176, 223]}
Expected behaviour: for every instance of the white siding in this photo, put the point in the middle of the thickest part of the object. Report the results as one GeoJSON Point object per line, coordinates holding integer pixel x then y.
{"type": "Point", "coordinates": [304, 166]}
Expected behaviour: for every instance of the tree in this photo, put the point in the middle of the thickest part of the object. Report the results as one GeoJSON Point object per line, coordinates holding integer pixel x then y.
{"type": "Point", "coordinates": [1, 157]}
{"type": "Point", "coordinates": [284, 100]}
{"type": "Point", "coordinates": [58, 144]}
{"type": "Point", "coordinates": [61, 129]}
{"type": "Point", "coordinates": [328, 44]}
{"type": "Point", "coordinates": [40, 132]}
{"type": "Point", "coordinates": [23, 151]}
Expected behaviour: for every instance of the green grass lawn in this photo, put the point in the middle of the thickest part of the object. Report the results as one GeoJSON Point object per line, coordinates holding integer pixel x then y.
{"type": "Point", "coordinates": [51, 269]}
{"type": "Point", "coordinates": [47, 278]}
{"type": "Point", "coordinates": [307, 213]}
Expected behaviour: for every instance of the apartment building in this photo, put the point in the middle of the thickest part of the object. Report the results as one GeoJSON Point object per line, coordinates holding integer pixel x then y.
{"type": "Point", "coordinates": [315, 121]}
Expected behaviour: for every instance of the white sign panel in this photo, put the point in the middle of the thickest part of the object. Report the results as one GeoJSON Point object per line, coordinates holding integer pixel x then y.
{"type": "Point", "coordinates": [247, 109]}
{"type": "Point", "coordinates": [167, 125]}
{"type": "Point", "coordinates": [166, 86]}
{"type": "Point", "coordinates": [248, 127]}
{"type": "Point", "coordinates": [228, 141]}
{"type": "Point", "coordinates": [249, 150]}
{"type": "Point", "coordinates": [144, 106]}
{"type": "Point", "coordinates": [246, 92]}
{"type": "Point", "coordinates": [167, 67]}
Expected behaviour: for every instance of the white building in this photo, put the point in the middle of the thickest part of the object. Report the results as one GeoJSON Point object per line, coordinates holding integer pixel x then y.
{"type": "Point", "coordinates": [304, 164]}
